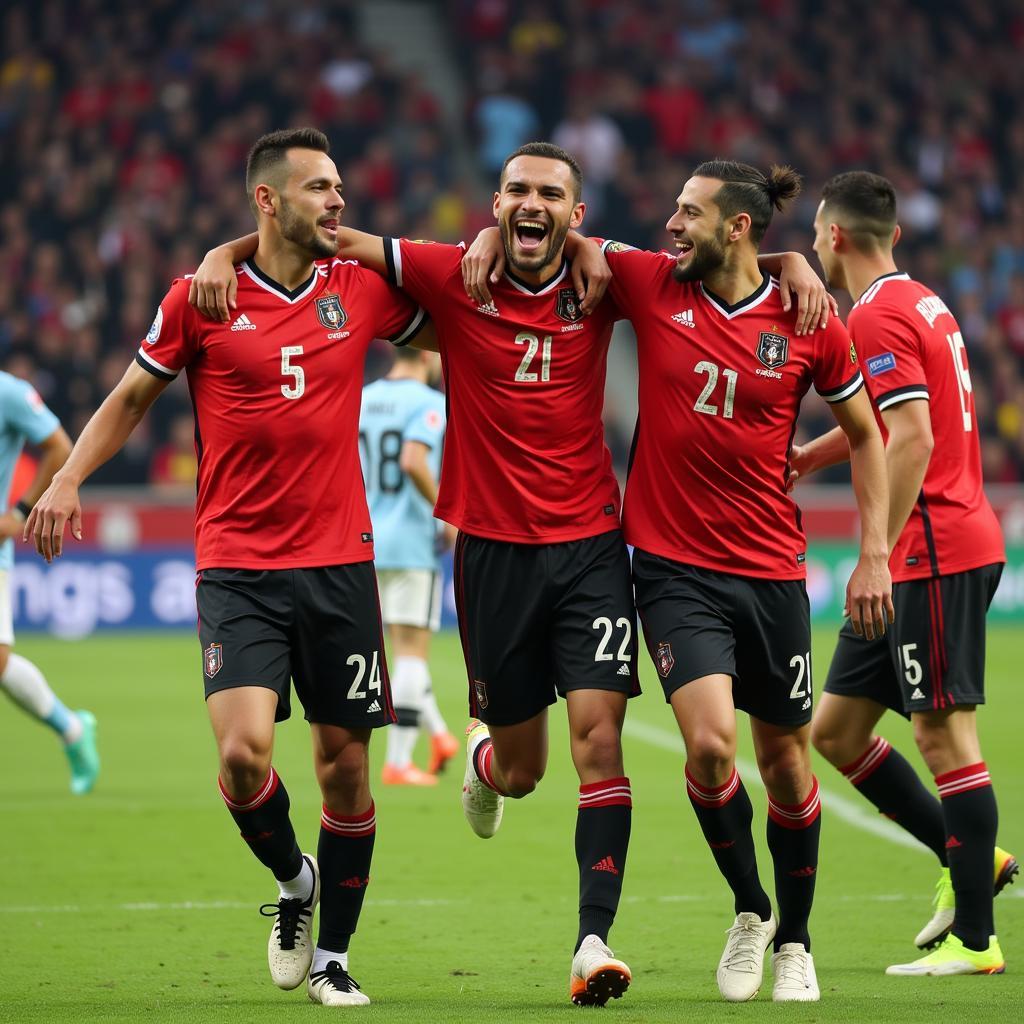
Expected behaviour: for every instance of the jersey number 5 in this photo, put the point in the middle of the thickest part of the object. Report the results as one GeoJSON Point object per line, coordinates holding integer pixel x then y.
{"type": "Point", "coordinates": [295, 389]}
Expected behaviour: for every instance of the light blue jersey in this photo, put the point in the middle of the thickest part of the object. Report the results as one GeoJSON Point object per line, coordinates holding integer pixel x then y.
{"type": "Point", "coordinates": [404, 527]}
{"type": "Point", "coordinates": [23, 417]}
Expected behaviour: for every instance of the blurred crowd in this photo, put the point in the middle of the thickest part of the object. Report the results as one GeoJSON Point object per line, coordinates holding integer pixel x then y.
{"type": "Point", "coordinates": [124, 129]}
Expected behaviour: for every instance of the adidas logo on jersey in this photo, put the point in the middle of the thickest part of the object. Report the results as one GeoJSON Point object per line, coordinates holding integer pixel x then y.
{"type": "Point", "coordinates": [623, 670]}
{"type": "Point", "coordinates": [489, 308]}
{"type": "Point", "coordinates": [685, 318]}
{"type": "Point", "coordinates": [243, 323]}
{"type": "Point", "coordinates": [917, 694]}
{"type": "Point", "coordinates": [375, 706]}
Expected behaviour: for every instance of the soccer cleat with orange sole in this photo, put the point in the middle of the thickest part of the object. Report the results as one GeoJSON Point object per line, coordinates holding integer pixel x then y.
{"type": "Point", "coordinates": [596, 975]}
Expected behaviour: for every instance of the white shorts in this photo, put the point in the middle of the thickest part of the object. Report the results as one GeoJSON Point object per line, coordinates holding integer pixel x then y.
{"type": "Point", "coordinates": [410, 597]}
{"type": "Point", "coordinates": [6, 613]}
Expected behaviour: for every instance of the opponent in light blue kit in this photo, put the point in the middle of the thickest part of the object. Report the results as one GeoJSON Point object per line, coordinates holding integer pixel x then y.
{"type": "Point", "coordinates": [24, 417]}
{"type": "Point", "coordinates": [401, 432]}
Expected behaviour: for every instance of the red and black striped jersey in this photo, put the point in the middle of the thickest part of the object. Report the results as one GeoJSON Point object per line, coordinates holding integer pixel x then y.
{"type": "Point", "coordinates": [910, 347]}
{"type": "Point", "coordinates": [276, 395]}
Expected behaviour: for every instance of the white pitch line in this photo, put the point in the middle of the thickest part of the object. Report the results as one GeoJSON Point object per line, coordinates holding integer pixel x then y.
{"type": "Point", "coordinates": [849, 811]}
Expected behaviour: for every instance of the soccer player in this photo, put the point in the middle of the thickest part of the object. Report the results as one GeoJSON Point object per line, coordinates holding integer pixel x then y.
{"type": "Point", "coordinates": [719, 550]}
{"type": "Point", "coordinates": [286, 587]}
{"type": "Point", "coordinates": [947, 556]}
{"type": "Point", "coordinates": [26, 418]}
{"type": "Point", "coordinates": [401, 431]}
{"type": "Point", "coordinates": [541, 571]}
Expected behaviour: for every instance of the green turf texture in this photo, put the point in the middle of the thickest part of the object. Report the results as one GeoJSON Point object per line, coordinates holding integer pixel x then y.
{"type": "Point", "coordinates": [139, 902]}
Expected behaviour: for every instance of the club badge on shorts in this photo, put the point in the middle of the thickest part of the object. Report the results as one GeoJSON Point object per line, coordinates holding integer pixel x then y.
{"type": "Point", "coordinates": [665, 661]}
{"type": "Point", "coordinates": [213, 659]}
{"type": "Point", "coordinates": [480, 689]}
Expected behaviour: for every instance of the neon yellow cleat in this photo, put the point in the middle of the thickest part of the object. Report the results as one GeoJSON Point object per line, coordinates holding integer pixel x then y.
{"type": "Point", "coordinates": [1006, 869]}
{"type": "Point", "coordinates": [953, 957]}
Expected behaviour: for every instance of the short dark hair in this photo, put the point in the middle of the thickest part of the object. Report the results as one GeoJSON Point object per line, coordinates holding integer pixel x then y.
{"type": "Point", "coordinates": [269, 153]}
{"type": "Point", "coordinates": [867, 205]}
{"type": "Point", "coordinates": [549, 151]}
{"type": "Point", "coordinates": [745, 189]}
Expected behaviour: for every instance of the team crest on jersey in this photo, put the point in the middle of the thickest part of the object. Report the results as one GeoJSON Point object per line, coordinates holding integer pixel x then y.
{"type": "Point", "coordinates": [567, 306]}
{"type": "Point", "coordinates": [480, 689]}
{"type": "Point", "coordinates": [330, 312]}
{"type": "Point", "coordinates": [664, 659]}
{"type": "Point", "coordinates": [213, 660]}
{"type": "Point", "coordinates": [772, 349]}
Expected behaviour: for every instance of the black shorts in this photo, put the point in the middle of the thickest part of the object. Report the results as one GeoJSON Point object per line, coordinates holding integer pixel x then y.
{"type": "Point", "coordinates": [933, 655]}
{"type": "Point", "coordinates": [541, 619]}
{"type": "Point", "coordinates": [318, 627]}
{"type": "Point", "coordinates": [700, 622]}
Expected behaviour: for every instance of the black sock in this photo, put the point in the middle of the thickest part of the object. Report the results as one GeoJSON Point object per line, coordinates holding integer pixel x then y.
{"type": "Point", "coordinates": [602, 839]}
{"type": "Point", "coordinates": [725, 815]}
{"type": "Point", "coordinates": [793, 834]}
{"type": "Point", "coordinates": [343, 854]}
{"type": "Point", "coordinates": [969, 808]}
{"type": "Point", "coordinates": [265, 826]}
{"type": "Point", "coordinates": [886, 778]}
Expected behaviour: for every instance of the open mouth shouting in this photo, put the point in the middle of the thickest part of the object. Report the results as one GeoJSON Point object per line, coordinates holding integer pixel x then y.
{"type": "Point", "coordinates": [530, 234]}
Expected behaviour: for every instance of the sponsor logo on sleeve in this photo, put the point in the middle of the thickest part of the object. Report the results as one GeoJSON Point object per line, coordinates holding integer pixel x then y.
{"type": "Point", "coordinates": [617, 247]}
{"type": "Point", "coordinates": [881, 364]}
{"type": "Point", "coordinates": [157, 326]}
{"type": "Point", "coordinates": [853, 354]}
{"type": "Point", "coordinates": [35, 403]}
{"type": "Point", "coordinates": [433, 419]}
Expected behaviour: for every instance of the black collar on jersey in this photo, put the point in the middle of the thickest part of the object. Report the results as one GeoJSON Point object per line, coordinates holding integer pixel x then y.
{"type": "Point", "coordinates": [536, 289]}
{"type": "Point", "coordinates": [752, 299]}
{"type": "Point", "coordinates": [290, 295]}
{"type": "Point", "coordinates": [885, 277]}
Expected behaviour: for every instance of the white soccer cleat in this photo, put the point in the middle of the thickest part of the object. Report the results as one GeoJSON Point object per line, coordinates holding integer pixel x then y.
{"type": "Point", "coordinates": [481, 805]}
{"type": "Point", "coordinates": [333, 987]}
{"type": "Point", "coordinates": [795, 980]}
{"type": "Point", "coordinates": [290, 949]}
{"type": "Point", "coordinates": [596, 975]}
{"type": "Point", "coordinates": [742, 965]}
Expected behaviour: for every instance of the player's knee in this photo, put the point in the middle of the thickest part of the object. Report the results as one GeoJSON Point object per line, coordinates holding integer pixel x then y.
{"type": "Point", "coordinates": [244, 766]}
{"type": "Point", "coordinates": [601, 751]}
{"type": "Point", "coordinates": [786, 773]}
{"type": "Point", "coordinates": [521, 780]}
{"type": "Point", "coordinates": [346, 774]}
{"type": "Point", "coordinates": [710, 756]}
{"type": "Point", "coordinates": [830, 743]}
{"type": "Point", "coordinates": [933, 742]}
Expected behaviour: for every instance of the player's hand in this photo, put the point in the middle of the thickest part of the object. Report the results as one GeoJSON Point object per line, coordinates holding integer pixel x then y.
{"type": "Point", "coordinates": [11, 525]}
{"type": "Point", "coordinates": [591, 274]}
{"type": "Point", "coordinates": [814, 303]}
{"type": "Point", "coordinates": [45, 524]}
{"type": "Point", "coordinates": [214, 287]}
{"type": "Point", "coordinates": [483, 265]}
{"type": "Point", "coordinates": [798, 465]}
{"type": "Point", "coordinates": [869, 598]}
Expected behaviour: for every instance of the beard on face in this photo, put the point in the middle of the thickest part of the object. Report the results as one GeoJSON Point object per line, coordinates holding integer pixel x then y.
{"type": "Point", "coordinates": [706, 257]}
{"type": "Point", "coordinates": [305, 235]}
{"type": "Point", "coordinates": [554, 240]}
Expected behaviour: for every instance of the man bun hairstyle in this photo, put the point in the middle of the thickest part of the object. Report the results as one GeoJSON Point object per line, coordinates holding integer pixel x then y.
{"type": "Point", "coordinates": [864, 206]}
{"type": "Point", "coordinates": [745, 189]}
{"type": "Point", "coordinates": [268, 157]}
{"type": "Point", "coordinates": [549, 151]}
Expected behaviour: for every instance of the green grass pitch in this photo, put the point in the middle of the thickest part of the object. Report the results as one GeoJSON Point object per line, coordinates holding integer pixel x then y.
{"type": "Point", "coordinates": [139, 902]}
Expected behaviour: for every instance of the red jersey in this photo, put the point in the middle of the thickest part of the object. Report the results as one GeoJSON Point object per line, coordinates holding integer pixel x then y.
{"type": "Point", "coordinates": [276, 395]}
{"type": "Point", "coordinates": [524, 457]}
{"type": "Point", "coordinates": [910, 347]}
{"type": "Point", "coordinates": [720, 390]}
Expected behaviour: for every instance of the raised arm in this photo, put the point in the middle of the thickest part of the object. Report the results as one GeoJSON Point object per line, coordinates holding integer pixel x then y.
{"type": "Point", "coordinates": [102, 438]}
{"type": "Point", "coordinates": [869, 592]}
{"type": "Point", "coordinates": [214, 285]}
{"type": "Point", "coordinates": [797, 278]}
